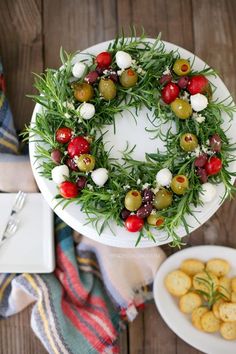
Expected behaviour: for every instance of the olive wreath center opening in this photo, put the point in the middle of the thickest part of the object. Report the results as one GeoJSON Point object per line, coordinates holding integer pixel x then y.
{"type": "Point", "coordinates": [133, 128]}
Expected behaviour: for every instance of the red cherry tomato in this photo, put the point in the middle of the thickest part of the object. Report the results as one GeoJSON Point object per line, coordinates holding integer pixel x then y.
{"type": "Point", "coordinates": [78, 146]}
{"type": "Point", "coordinates": [133, 223]}
{"type": "Point", "coordinates": [68, 190]}
{"type": "Point", "coordinates": [170, 92]}
{"type": "Point", "coordinates": [197, 84]}
{"type": "Point", "coordinates": [213, 166]}
{"type": "Point", "coordinates": [63, 135]}
{"type": "Point", "coordinates": [104, 59]}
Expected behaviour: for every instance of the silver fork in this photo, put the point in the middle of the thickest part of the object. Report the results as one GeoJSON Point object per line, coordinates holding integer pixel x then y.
{"type": "Point", "coordinates": [12, 224]}
{"type": "Point", "coordinates": [19, 202]}
{"type": "Point", "coordinates": [10, 230]}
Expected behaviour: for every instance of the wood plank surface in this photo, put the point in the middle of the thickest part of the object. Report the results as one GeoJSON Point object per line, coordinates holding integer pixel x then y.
{"type": "Point", "coordinates": [21, 52]}
{"type": "Point", "coordinates": [17, 337]}
{"type": "Point", "coordinates": [76, 25]}
{"type": "Point", "coordinates": [31, 34]}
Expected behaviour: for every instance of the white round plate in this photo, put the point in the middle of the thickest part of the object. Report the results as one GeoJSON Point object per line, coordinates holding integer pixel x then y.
{"type": "Point", "coordinates": [128, 131]}
{"type": "Point", "coordinates": [168, 305]}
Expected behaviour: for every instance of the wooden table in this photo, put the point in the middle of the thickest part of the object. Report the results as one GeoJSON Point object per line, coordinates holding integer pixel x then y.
{"type": "Point", "coordinates": [31, 34]}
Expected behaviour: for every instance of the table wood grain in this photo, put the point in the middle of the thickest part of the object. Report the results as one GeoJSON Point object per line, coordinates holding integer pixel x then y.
{"type": "Point", "coordinates": [31, 34]}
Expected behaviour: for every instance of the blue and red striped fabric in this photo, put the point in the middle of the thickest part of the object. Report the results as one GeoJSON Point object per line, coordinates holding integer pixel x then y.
{"type": "Point", "coordinates": [8, 139]}
{"type": "Point", "coordinates": [72, 312]}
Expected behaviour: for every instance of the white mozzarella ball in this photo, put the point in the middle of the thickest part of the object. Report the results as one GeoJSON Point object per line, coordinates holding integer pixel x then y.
{"type": "Point", "coordinates": [60, 173]}
{"type": "Point", "coordinates": [86, 110]}
{"type": "Point", "coordinates": [99, 176]}
{"type": "Point", "coordinates": [164, 177]}
{"type": "Point", "coordinates": [208, 192]}
{"type": "Point", "coordinates": [198, 102]}
{"type": "Point", "coordinates": [78, 70]}
{"type": "Point", "coordinates": [123, 59]}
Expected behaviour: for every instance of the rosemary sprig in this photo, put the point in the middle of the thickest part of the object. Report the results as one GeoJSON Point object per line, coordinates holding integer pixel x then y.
{"type": "Point", "coordinates": [212, 294]}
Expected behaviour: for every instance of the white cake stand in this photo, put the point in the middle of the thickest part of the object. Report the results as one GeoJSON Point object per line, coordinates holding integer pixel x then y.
{"type": "Point", "coordinates": [128, 130]}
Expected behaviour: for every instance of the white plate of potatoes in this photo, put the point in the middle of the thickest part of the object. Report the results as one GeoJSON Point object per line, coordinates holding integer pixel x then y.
{"type": "Point", "coordinates": [195, 293]}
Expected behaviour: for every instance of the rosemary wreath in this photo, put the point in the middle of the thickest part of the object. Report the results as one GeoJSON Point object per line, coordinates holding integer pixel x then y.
{"type": "Point", "coordinates": [81, 98]}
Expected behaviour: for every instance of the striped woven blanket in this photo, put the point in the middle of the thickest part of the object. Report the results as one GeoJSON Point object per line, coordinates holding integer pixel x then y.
{"type": "Point", "coordinates": [8, 139]}
{"type": "Point", "coordinates": [73, 313]}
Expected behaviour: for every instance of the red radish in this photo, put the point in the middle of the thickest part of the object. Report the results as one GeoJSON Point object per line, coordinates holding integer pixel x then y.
{"type": "Point", "coordinates": [104, 59]}
{"type": "Point", "coordinates": [213, 166]}
{"type": "Point", "coordinates": [78, 146]}
{"type": "Point", "coordinates": [68, 190]}
{"type": "Point", "coordinates": [63, 135]}
{"type": "Point", "coordinates": [197, 84]}
{"type": "Point", "coordinates": [170, 92]}
{"type": "Point", "coordinates": [133, 223]}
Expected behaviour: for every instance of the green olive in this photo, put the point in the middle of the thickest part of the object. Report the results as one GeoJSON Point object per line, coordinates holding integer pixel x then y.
{"type": "Point", "coordinates": [128, 78]}
{"type": "Point", "coordinates": [86, 162]}
{"type": "Point", "coordinates": [179, 184]}
{"type": "Point", "coordinates": [155, 220]}
{"type": "Point", "coordinates": [133, 200]}
{"type": "Point", "coordinates": [181, 108]}
{"type": "Point", "coordinates": [83, 92]}
{"type": "Point", "coordinates": [188, 142]}
{"type": "Point", "coordinates": [163, 198]}
{"type": "Point", "coordinates": [107, 89]}
{"type": "Point", "coordinates": [182, 67]}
